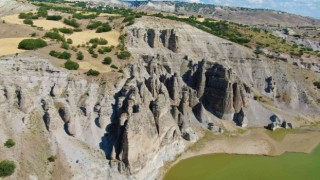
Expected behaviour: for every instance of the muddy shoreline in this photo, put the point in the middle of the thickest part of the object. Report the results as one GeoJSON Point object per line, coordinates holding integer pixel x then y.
{"type": "Point", "coordinates": [256, 141]}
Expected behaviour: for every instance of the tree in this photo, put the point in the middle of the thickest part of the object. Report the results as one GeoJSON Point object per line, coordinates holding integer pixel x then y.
{"type": "Point", "coordinates": [7, 168]}
{"type": "Point", "coordinates": [31, 44]}
{"type": "Point", "coordinates": [52, 158]}
{"type": "Point", "coordinates": [104, 28]}
{"type": "Point", "coordinates": [9, 143]}
{"type": "Point", "coordinates": [92, 72]}
{"type": "Point", "coordinates": [28, 21]}
{"type": "Point", "coordinates": [124, 54]}
{"type": "Point", "coordinates": [71, 65]}
{"type": "Point", "coordinates": [54, 17]}
{"type": "Point", "coordinates": [107, 60]}
{"type": "Point", "coordinates": [80, 55]}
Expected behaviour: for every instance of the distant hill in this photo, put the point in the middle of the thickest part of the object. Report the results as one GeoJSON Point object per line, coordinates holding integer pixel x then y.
{"type": "Point", "coordinates": [236, 14]}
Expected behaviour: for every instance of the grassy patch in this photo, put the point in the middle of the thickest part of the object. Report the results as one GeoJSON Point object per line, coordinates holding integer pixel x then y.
{"type": "Point", "coordinates": [202, 142]}
{"type": "Point", "coordinates": [280, 134]}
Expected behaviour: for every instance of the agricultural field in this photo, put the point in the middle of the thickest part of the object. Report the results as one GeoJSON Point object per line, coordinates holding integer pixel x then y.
{"type": "Point", "coordinates": [68, 35]}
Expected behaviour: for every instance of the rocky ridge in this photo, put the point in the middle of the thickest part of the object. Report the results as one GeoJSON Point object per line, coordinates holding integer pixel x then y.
{"type": "Point", "coordinates": [180, 82]}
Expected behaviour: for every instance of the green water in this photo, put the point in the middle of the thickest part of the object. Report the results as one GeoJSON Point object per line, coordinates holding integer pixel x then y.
{"type": "Point", "coordinates": [291, 166]}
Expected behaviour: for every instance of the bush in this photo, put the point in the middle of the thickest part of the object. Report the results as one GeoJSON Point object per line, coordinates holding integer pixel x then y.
{"type": "Point", "coordinates": [80, 55]}
{"type": "Point", "coordinates": [107, 60]}
{"type": "Point", "coordinates": [94, 55]}
{"type": "Point", "coordinates": [42, 12]}
{"type": "Point", "coordinates": [65, 45]}
{"type": "Point", "coordinates": [124, 54]}
{"type": "Point", "coordinates": [71, 65]}
{"type": "Point", "coordinates": [114, 66]}
{"type": "Point", "coordinates": [33, 34]}
{"type": "Point", "coordinates": [94, 24]}
{"type": "Point", "coordinates": [100, 41]}
{"type": "Point", "coordinates": [84, 16]}
{"type": "Point", "coordinates": [59, 55]}
{"type": "Point", "coordinates": [69, 41]}
{"type": "Point", "coordinates": [317, 84]}
{"type": "Point", "coordinates": [104, 28]}
{"type": "Point", "coordinates": [31, 44]}
{"type": "Point", "coordinates": [52, 158]}
{"type": "Point", "coordinates": [91, 51]}
{"type": "Point", "coordinates": [27, 16]}
{"type": "Point", "coordinates": [103, 50]}
{"type": "Point", "coordinates": [71, 22]}
{"type": "Point", "coordinates": [28, 21]}
{"type": "Point", "coordinates": [54, 35]}
{"type": "Point", "coordinates": [7, 168]}
{"type": "Point", "coordinates": [54, 17]}
{"type": "Point", "coordinates": [92, 72]}
{"type": "Point", "coordinates": [66, 30]}
{"type": "Point", "coordinates": [9, 143]}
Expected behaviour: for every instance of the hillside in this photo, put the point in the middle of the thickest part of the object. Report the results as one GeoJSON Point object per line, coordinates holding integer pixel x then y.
{"type": "Point", "coordinates": [114, 93]}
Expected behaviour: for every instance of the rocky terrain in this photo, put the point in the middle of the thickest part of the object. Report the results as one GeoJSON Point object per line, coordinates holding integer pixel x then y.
{"type": "Point", "coordinates": [8, 7]}
{"type": "Point", "coordinates": [180, 83]}
{"type": "Point", "coordinates": [235, 14]}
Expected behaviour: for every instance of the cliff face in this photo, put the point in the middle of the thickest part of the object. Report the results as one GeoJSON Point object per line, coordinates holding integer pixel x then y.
{"type": "Point", "coordinates": [180, 82]}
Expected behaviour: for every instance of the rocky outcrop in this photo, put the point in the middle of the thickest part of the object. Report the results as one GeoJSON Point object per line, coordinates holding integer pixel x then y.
{"type": "Point", "coordinates": [278, 122]}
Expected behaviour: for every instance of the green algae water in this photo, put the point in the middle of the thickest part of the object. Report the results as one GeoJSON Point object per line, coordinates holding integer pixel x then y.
{"type": "Point", "coordinates": [289, 166]}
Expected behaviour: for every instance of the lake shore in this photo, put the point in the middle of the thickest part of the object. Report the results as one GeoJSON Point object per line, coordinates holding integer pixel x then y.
{"type": "Point", "coordinates": [256, 141]}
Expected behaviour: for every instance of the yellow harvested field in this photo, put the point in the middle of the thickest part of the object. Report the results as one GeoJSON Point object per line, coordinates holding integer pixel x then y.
{"type": "Point", "coordinates": [108, 15]}
{"type": "Point", "coordinates": [79, 38]}
{"type": "Point", "coordinates": [13, 19]}
{"type": "Point", "coordinates": [10, 46]}
{"type": "Point", "coordinates": [47, 25]}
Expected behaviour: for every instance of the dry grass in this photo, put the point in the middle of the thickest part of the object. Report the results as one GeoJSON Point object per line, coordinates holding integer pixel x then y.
{"type": "Point", "coordinates": [83, 37]}
{"type": "Point", "coordinates": [108, 15]}
{"type": "Point", "coordinates": [10, 46]}
{"type": "Point", "coordinates": [94, 64]}
{"type": "Point", "coordinates": [13, 19]}
{"type": "Point", "coordinates": [47, 25]}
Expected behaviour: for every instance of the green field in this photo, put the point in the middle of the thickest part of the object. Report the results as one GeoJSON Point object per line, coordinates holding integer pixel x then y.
{"type": "Point", "coordinates": [248, 167]}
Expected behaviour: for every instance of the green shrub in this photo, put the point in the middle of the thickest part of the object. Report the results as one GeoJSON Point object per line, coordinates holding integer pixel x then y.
{"type": "Point", "coordinates": [91, 51]}
{"type": "Point", "coordinates": [107, 60]}
{"type": "Point", "coordinates": [7, 168]}
{"type": "Point", "coordinates": [103, 50]}
{"type": "Point", "coordinates": [65, 45]}
{"type": "Point", "coordinates": [100, 41]}
{"type": "Point", "coordinates": [114, 66]}
{"type": "Point", "coordinates": [124, 54]}
{"type": "Point", "coordinates": [27, 16]}
{"type": "Point", "coordinates": [71, 65]}
{"type": "Point", "coordinates": [258, 51]}
{"type": "Point", "coordinates": [84, 16]}
{"type": "Point", "coordinates": [54, 17]}
{"type": "Point", "coordinates": [33, 34]}
{"type": "Point", "coordinates": [28, 21]}
{"type": "Point", "coordinates": [317, 84]}
{"type": "Point", "coordinates": [80, 55]}
{"type": "Point", "coordinates": [128, 18]}
{"type": "Point", "coordinates": [59, 55]}
{"type": "Point", "coordinates": [66, 30]}
{"type": "Point", "coordinates": [31, 44]}
{"type": "Point", "coordinates": [54, 35]}
{"type": "Point", "coordinates": [52, 158]}
{"type": "Point", "coordinates": [104, 28]}
{"type": "Point", "coordinates": [42, 12]}
{"type": "Point", "coordinates": [69, 41]}
{"type": "Point", "coordinates": [94, 55]}
{"type": "Point", "coordinates": [94, 24]}
{"type": "Point", "coordinates": [92, 72]}
{"type": "Point", "coordinates": [72, 22]}
{"type": "Point", "coordinates": [9, 143]}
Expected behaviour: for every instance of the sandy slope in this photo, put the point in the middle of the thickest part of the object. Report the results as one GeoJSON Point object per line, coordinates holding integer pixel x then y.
{"type": "Point", "coordinates": [11, 46]}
